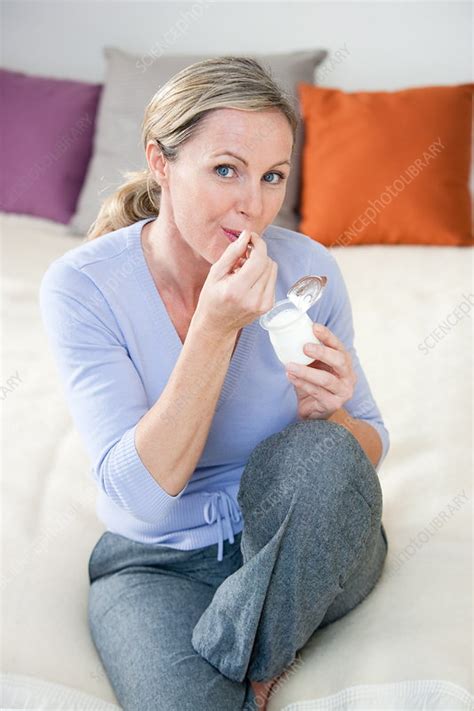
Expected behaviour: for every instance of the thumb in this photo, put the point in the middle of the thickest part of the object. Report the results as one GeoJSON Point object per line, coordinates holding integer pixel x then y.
{"type": "Point", "coordinates": [234, 251]}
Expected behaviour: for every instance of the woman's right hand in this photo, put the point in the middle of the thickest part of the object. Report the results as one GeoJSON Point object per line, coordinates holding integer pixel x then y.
{"type": "Point", "coordinates": [233, 297]}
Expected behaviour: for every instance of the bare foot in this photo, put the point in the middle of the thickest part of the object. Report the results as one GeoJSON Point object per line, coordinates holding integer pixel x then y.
{"type": "Point", "coordinates": [262, 690]}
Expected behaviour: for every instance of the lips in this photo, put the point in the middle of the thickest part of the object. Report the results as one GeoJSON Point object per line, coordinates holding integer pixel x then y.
{"type": "Point", "coordinates": [231, 234]}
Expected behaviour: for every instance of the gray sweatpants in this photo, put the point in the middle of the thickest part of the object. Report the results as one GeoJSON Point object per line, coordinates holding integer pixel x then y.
{"type": "Point", "coordinates": [181, 631]}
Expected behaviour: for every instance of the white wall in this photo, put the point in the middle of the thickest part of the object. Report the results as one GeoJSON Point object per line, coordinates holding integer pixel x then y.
{"type": "Point", "coordinates": [384, 45]}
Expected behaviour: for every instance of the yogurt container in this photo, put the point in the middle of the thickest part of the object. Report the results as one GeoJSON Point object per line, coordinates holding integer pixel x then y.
{"type": "Point", "coordinates": [289, 326]}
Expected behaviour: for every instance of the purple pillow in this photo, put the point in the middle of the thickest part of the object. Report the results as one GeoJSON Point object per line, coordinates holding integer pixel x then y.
{"type": "Point", "coordinates": [46, 136]}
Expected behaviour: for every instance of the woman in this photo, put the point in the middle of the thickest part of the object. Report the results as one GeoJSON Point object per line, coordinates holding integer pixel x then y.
{"type": "Point", "coordinates": [201, 442]}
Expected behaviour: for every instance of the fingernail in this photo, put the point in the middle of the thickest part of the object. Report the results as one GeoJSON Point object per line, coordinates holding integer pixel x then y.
{"type": "Point", "coordinates": [291, 368]}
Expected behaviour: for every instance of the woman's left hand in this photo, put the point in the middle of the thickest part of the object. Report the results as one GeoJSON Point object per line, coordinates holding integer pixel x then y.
{"type": "Point", "coordinates": [325, 385]}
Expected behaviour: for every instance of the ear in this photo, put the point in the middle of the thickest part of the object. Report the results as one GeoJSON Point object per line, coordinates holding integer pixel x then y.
{"type": "Point", "coordinates": [156, 162]}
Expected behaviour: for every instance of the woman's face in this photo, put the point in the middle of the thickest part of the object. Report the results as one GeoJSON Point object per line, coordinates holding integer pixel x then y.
{"type": "Point", "coordinates": [206, 189]}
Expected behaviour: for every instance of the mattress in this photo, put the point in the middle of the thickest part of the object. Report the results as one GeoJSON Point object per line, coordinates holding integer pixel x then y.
{"type": "Point", "coordinates": [408, 645]}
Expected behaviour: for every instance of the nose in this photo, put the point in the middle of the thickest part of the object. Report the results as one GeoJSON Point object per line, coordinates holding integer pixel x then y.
{"type": "Point", "coordinates": [251, 200]}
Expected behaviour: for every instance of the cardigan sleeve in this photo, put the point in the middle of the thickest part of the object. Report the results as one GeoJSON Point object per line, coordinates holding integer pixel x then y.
{"type": "Point", "coordinates": [102, 387]}
{"type": "Point", "coordinates": [336, 314]}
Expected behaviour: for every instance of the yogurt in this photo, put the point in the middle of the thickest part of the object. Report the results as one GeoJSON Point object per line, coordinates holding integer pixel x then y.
{"type": "Point", "coordinates": [289, 329]}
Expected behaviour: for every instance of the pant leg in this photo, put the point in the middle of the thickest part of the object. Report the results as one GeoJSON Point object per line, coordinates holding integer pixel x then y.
{"type": "Point", "coordinates": [361, 581]}
{"type": "Point", "coordinates": [143, 604]}
{"type": "Point", "coordinates": [312, 544]}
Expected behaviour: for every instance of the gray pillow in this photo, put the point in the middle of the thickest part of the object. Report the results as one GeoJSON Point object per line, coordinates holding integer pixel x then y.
{"type": "Point", "coordinates": [130, 83]}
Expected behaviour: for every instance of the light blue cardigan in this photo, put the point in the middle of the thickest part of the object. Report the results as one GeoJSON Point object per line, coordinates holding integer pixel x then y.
{"type": "Point", "coordinates": [115, 347]}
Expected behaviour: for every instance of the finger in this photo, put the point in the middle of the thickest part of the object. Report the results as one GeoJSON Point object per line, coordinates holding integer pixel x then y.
{"type": "Point", "coordinates": [304, 389]}
{"type": "Point", "coordinates": [241, 260]}
{"type": "Point", "coordinates": [240, 263]}
{"type": "Point", "coordinates": [267, 288]}
{"type": "Point", "coordinates": [319, 365]}
{"type": "Point", "coordinates": [334, 358]}
{"type": "Point", "coordinates": [269, 292]}
{"type": "Point", "coordinates": [310, 405]}
{"type": "Point", "coordinates": [327, 337]}
{"type": "Point", "coordinates": [302, 395]}
{"type": "Point", "coordinates": [259, 285]}
{"type": "Point", "coordinates": [231, 255]}
{"type": "Point", "coordinates": [307, 377]}
{"type": "Point", "coordinates": [312, 410]}
{"type": "Point", "coordinates": [317, 403]}
{"type": "Point", "coordinates": [255, 266]}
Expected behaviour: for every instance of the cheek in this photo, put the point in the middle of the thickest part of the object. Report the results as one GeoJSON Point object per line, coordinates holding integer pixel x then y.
{"type": "Point", "coordinates": [201, 197]}
{"type": "Point", "coordinates": [188, 208]}
{"type": "Point", "coordinates": [199, 219]}
{"type": "Point", "coordinates": [210, 206]}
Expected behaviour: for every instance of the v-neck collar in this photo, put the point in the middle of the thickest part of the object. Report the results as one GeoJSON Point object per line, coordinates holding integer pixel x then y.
{"type": "Point", "coordinates": [164, 323]}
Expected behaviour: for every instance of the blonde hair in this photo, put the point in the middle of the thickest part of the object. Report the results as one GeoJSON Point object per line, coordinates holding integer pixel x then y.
{"type": "Point", "coordinates": [172, 117]}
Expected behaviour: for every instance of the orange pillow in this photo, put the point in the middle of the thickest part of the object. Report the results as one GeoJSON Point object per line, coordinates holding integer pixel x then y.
{"type": "Point", "coordinates": [386, 167]}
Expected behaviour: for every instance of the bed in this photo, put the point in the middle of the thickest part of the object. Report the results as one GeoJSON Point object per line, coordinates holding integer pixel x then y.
{"type": "Point", "coordinates": [408, 645]}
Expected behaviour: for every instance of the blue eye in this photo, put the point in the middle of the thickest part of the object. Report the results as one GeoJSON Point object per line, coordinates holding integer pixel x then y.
{"type": "Point", "coordinates": [225, 167]}
{"type": "Point", "coordinates": [280, 175]}
{"type": "Point", "coordinates": [273, 172]}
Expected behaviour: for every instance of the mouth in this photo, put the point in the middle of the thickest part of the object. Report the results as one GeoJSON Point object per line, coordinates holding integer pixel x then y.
{"type": "Point", "coordinates": [231, 235]}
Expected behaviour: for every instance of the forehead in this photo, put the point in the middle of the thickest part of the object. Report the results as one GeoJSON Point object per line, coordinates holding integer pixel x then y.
{"type": "Point", "coordinates": [227, 129]}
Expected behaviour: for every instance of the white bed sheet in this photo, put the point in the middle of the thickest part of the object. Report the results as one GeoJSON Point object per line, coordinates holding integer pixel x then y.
{"type": "Point", "coordinates": [409, 644]}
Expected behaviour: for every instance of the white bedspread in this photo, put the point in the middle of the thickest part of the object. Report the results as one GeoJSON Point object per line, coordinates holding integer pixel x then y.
{"type": "Point", "coordinates": [408, 645]}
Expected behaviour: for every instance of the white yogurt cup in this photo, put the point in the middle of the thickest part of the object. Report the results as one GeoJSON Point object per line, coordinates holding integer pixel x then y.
{"type": "Point", "coordinates": [289, 329]}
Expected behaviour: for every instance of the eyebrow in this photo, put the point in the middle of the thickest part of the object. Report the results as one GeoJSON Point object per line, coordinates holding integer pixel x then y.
{"type": "Point", "coordinates": [229, 153]}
